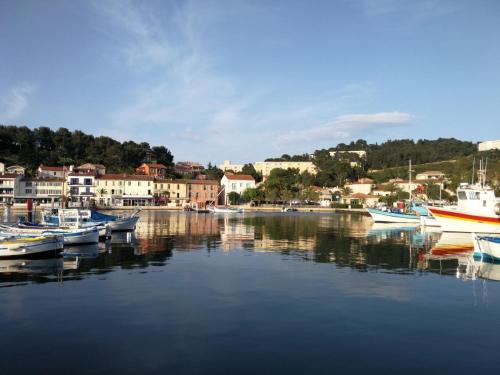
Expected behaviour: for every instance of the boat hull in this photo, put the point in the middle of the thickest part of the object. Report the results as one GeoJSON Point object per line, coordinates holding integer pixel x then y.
{"type": "Point", "coordinates": [71, 236]}
{"type": "Point", "coordinates": [486, 248]}
{"type": "Point", "coordinates": [456, 221]}
{"type": "Point", "coordinates": [23, 247]}
{"type": "Point", "coordinates": [123, 224]}
{"type": "Point", "coordinates": [429, 221]}
{"type": "Point", "coordinates": [380, 216]}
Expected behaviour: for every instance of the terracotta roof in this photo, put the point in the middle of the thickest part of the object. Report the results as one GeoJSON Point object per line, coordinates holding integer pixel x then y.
{"type": "Point", "coordinates": [51, 168]}
{"type": "Point", "coordinates": [202, 182]}
{"type": "Point", "coordinates": [247, 177]}
{"type": "Point", "coordinates": [91, 166]}
{"type": "Point", "coordinates": [153, 165]}
{"type": "Point", "coordinates": [9, 175]}
{"type": "Point", "coordinates": [47, 179]}
{"type": "Point", "coordinates": [76, 174]}
{"type": "Point", "coordinates": [130, 177]}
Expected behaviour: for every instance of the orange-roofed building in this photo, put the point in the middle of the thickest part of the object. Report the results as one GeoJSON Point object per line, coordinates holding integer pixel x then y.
{"type": "Point", "coordinates": [152, 169]}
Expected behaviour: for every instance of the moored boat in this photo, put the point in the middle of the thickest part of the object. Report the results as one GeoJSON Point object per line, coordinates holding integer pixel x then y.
{"type": "Point", "coordinates": [486, 247]}
{"type": "Point", "coordinates": [71, 236]}
{"type": "Point", "coordinates": [477, 211]}
{"type": "Point", "coordinates": [225, 210]}
{"type": "Point", "coordinates": [12, 246]}
{"type": "Point", "coordinates": [380, 216]}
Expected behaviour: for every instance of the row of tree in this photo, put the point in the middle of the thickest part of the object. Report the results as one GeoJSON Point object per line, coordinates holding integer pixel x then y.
{"type": "Point", "coordinates": [32, 147]}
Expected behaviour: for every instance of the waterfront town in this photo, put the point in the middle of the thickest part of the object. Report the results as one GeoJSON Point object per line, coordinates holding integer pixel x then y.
{"type": "Point", "coordinates": [89, 185]}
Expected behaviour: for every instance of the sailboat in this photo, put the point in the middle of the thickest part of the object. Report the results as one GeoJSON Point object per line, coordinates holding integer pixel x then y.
{"type": "Point", "coordinates": [412, 216]}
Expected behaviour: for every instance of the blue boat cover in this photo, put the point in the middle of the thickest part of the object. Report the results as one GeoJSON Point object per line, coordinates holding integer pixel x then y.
{"type": "Point", "coordinates": [491, 239]}
{"type": "Point", "coordinates": [99, 216]}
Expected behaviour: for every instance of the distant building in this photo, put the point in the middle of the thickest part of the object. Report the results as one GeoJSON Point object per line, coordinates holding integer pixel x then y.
{"type": "Point", "coordinates": [347, 156]}
{"type": "Point", "coordinates": [430, 175]}
{"type": "Point", "coordinates": [188, 167]}
{"type": "Point", "coordinates": [227, 166]}
{"type": "Point", "coordinates": [41, 190]}
{"type": "Point", "coordinates": [202, 193]}
{"type": "Point", "coordinates": [362, 186]}
{"type": "Point", "coordinates": [236, 183]}
{"type": "Point", "coordinates": [2, 167]}
{"type": "Point", "coordinates": [96, 169]}
{"type": "Point", "coordinates": [16, 169]}
{"type": "Point", "coordinates": [265, 167]}
{"type": "Point", "coordinates": [365, 200]}
{"type": "Point", "coordinates": [489, 145]}
{"type": "Point", "coordinates": [124, 190]}
{"type": "Point", "coordinates": [152, 170]}
{"type": "Point", "coordinates": [9, 185]}
{"type": "Point", "coordinates": [45, 171]}
{"type": "Point", "coordinates": [172, 193]}
{"type": "Point", "coordinates": [81, 187]}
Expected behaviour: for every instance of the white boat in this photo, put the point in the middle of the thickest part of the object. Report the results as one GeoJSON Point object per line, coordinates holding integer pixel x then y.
{"type": "Point", "coordinates": [71, 236]}
{"type": "Point", "coordinates": [486, 248]}
{"type": "Point", "coordinates": [380, 216]}
{"type": "Point", "coordinates": [12, 246]}
{"type": "Point", "coordinates": [74, 218]}
{"type": "Point", "coordinates": [225, 210]}
{"type": "Point", "coordinates": [429, 221]}
{"type": "Point", "coordinates": [107, 223]}
{"type": "Point", "coordinates": [289, 209]}
{"type": "Point", "coordinates": [478, 210]}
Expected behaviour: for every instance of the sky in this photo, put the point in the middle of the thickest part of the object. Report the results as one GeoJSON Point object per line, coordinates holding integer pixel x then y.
{"type": "Point", "coordinates": [246, 80]}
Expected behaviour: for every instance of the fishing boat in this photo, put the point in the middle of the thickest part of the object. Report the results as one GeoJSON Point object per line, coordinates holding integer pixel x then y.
{"type": "Point", "coordinates": [13, 246]}
{"type": "Point", "coordinates": [71, 236]}
{"type": "Point", "coordinates": [486, 247]}
{"type": "Point", "coordinates": [74, 218]}
{"type": "Point", "coordinates": [478, 210]}
{"type": "Point", "coordinates": [90, 217]}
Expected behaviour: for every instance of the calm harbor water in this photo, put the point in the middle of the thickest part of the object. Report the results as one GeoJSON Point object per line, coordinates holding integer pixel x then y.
{"type": "Point", "coordinates": [266, 293]}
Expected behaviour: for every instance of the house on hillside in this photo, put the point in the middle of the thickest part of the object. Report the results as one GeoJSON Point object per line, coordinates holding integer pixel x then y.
{"type": "Point", "coordinates": [363, 186]}
{"type": "Point", "coordinates": [360, 199]}
{"type": "Point", "coordinates": [430, 175]}
{"type": "Point", "coordinates": [16, 169]}
{"type": "Point", "coordinates": [46, 171]}
{"type": "Point", "coordinates": [152, 170]}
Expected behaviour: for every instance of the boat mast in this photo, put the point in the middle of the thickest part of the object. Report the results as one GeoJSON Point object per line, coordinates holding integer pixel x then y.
{"type": "Point", "coordinates": [473, 165]}
{"type": "Point", "coordinates": [409, 172]}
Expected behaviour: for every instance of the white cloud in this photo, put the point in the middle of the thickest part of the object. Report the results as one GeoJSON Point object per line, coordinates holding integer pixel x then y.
{"type": "Point", "coordinates": [16, 101]}
{"type": "Point", "coordinates": [345, 127]}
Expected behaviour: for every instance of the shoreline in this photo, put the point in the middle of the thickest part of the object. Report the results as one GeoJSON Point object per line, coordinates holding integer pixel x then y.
{"type": "Point", "coordinates": [246, 208]}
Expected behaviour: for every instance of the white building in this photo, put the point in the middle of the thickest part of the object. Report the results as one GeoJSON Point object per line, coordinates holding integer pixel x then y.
{"type": "Point", "coordinates": [265, 167]}
{"type": "Point", "coordinates": [489, 145]}
{"type": "Point", "coordinates": [124, 190]}
{"type": "Point", "coordinates": [227, 166]}
{"type": "Point", "coordinates": [430, 175]}
{"type": "Point", "coordinates": [348, 155]}
{"type": "Point", "coordinates": [81, 187]}
{"type": "Point", "coordinates": [2, 167]}
{"type": "Point", "coordinates": [48, 190]}
{"type": "Point", "coordinates": [17, 169]}
{"type": "Point", "coordinates": [9, 187]}
{"type": "Point", "coordinates": [362, 186]}
{"type": "Point", "coordinates": [45, 171]}
{"type": "Point", "coordinates": [237, 183]}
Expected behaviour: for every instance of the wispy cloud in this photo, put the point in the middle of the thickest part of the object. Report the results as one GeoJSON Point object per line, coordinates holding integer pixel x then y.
{"type": "Point", "coordinates": [345, 127]}
{"type": "Point", "coordinates": [16, 101]}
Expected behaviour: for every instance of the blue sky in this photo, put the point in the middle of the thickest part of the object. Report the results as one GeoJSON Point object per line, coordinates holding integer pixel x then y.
{"type": "Point", "coordinates": [246, 80]}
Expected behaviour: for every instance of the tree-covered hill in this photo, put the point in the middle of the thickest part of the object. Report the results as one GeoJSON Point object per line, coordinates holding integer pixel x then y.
{"type": "Point", "coordinates": [32, 147]}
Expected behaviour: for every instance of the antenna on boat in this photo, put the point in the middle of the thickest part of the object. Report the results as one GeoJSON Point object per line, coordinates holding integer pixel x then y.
{"type": "Point", "coordinates": [473, 165]}
{"type": "Point", "coordinates": [409, 172]}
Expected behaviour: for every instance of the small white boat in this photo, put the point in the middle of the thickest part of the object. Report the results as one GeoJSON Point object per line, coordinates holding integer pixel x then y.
{"type": "Point", "coordinates": [486, 247]}
{"type": "Point", "coordinates": [12, 246]}
{"type": "Point", "coordinates": [380, 216]}
{"type": "Point", "coordinates": [71, 236]}
{"type": "Point", "coordinates": [74, 218]}
{"type": "Point", "coordinates": [289, 209]}
{"type": "Point", "coordinates": [225, 210]}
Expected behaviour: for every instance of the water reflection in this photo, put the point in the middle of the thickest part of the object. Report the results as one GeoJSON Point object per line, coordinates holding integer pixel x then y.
{"type": "Point", "coordinates": [352, 241]}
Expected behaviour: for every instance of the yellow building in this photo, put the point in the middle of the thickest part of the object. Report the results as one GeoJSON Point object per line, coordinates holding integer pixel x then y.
{"type": "Point", "coordinates": [173, 193]}
{"type": "Point", "coordinates": [265, 167]}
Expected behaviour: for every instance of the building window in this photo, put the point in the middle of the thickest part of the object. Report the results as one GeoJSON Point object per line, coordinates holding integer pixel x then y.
{"type": "Point", "coordinates": [74, 181]}
{"type": "Point", "coordinates": [87, 181]}
{"type": "Point", "coordinates": [129, 183]}
{"type": "Point", "coordinates": [233, 185]}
